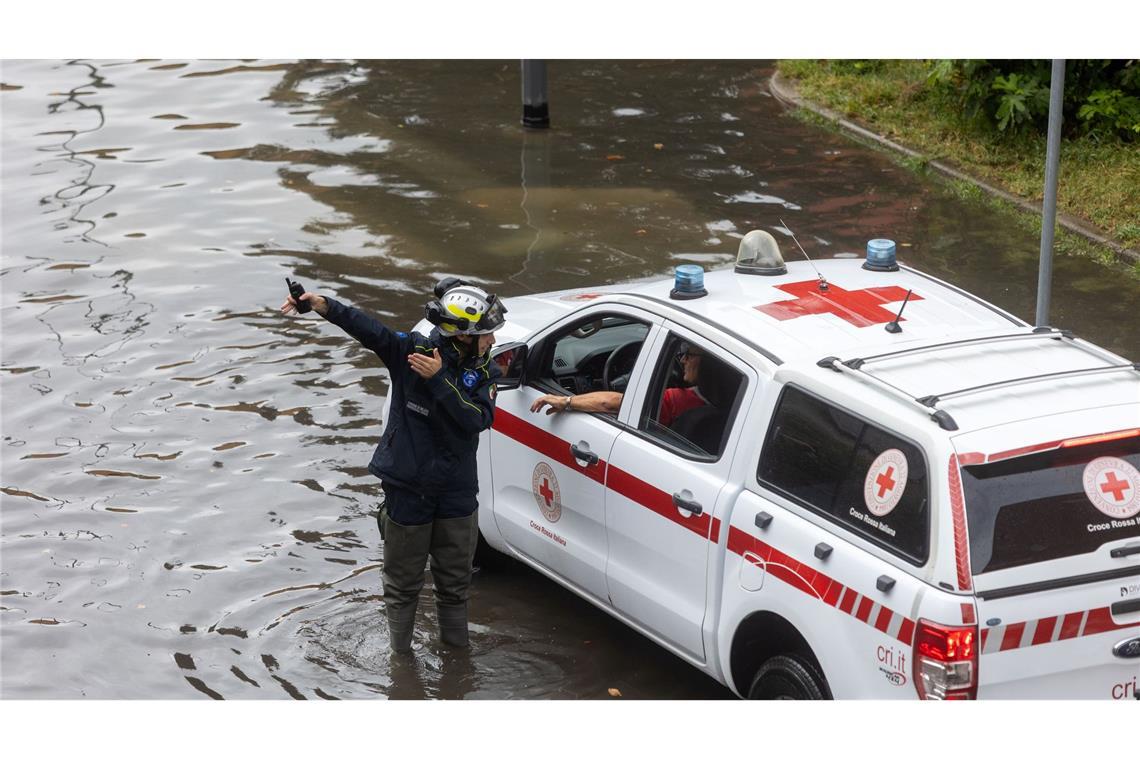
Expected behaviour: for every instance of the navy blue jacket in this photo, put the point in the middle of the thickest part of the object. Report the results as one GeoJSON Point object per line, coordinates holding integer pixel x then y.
{"type": "Point", "coordinates": [433, 425]}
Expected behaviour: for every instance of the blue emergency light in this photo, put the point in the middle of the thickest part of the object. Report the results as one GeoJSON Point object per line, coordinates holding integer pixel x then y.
{"type": "Point", "coordinates": [688, 282]}
{"type": "Point", "coordinates": [881, 256]}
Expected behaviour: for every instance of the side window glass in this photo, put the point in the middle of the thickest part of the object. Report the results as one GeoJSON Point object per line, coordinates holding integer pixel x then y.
{"type": "Point", "coordinates": [809, 449]}
{"type": "Point", "coordinates": [856, 474]}
{"type": "Point", "coordinates": [596, 354]}
{"type": "Point", "coordinates": [884, 495]}
{"type": "Point", "coordinates": [691, 399]}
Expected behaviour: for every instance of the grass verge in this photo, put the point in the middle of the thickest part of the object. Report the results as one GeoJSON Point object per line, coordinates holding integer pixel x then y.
{"type": "Point", "coordinates": [1099, 180]}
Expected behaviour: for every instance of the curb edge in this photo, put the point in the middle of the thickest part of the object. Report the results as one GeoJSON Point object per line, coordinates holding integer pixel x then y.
{"type": "Point", "coordinates": [786, 92]}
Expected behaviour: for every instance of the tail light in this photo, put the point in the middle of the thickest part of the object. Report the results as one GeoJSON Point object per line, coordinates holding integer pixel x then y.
{"type": "Point", "coordinates": [945, 661]}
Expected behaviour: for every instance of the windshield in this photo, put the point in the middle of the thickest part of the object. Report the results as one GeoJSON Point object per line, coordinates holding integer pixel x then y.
{"type": "Point", "coordinates": [1052, 504]}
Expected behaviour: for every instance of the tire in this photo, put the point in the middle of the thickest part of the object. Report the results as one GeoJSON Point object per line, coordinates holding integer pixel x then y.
{"type": "Point", "coordinates": [787, 676]}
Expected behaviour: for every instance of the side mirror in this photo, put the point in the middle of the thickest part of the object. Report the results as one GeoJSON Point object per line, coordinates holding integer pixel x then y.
{"type": "Point", "coordinates": [511, 358]}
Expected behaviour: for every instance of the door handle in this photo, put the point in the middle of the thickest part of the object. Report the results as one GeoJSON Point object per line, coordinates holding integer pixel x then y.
{"type": "Point", "coordinates": [1124, 551]}
{"type": "Point", "coordinates": [1123, 608]}
{"type": "Point", "coordinates": [582, 451]}
{"type": "Point", "coordinates": [689, 505]}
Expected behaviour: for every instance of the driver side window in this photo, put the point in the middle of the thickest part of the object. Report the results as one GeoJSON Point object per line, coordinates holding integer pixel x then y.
{"type": "Point", "coordinates": [692, 399]}
{"type": "Point", "coordinates": [594, 354]}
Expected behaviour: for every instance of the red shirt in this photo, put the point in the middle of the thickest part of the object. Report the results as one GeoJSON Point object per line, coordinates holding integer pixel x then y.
{"type": "Point", "coordinates": [677, 400]}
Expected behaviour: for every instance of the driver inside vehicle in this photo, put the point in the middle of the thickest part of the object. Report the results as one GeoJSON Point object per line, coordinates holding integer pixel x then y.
{"type": "Point", "coordinates": [673, 402]}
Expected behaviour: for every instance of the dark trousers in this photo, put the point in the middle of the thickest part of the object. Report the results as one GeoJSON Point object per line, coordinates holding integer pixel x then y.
{"type": "Point", "coordinates": [418, 527]}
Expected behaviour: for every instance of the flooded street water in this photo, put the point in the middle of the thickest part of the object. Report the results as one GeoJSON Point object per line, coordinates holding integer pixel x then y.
{"type": "Point", "coordinates": [186, 510]}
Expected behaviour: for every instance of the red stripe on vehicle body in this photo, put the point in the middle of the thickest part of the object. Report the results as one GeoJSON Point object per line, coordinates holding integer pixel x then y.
{"type": "Point", "coordinates": [968, 616]}
{"type": "Point", "coordinates": [1071, 626]}
{"type": "Point", "coordinates": [1012, 638]}
{"type": "Point", "coordinates": [658, 501]}
{"type": "Point", "coordinates": [740, 542]}
{"type": "Point", "coordinates": [864, 612]}
{"type": "Point", "coordinates": [789, 576]}
{"type": "Point", "coordinates": [796, 574]}
{"type": "Point", "coordinates": [958, 512]}
{"type": "Point", "coordinates": [1099, 621]}
{"type": "Point", "coordinates": [1044, 632]}
{"type": "Point", "coordinates": [545, 443]}
{"type": "Point", "coordinates": [906, 631]}
{"type": "Point", "coordinates": [821, 584]}
{"type": "Point", "coordinates": [849, 601]}
{"type": "Point", "coordinates": [1094, 622]}
{"type": "Point", "coordinates": [618, 480]}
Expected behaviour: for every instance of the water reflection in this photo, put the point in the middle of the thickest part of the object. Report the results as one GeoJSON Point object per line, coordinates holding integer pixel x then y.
{"type": "Point", "coordinates": [184, 470]}
{"type": "Point", "coordinates": [534, 176]}
{"type": "Point", "coordinates": [81, 192]}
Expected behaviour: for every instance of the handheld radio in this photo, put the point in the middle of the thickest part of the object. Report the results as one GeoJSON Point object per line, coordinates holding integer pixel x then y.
{"type": "Point", "coordinates": [297, 291]}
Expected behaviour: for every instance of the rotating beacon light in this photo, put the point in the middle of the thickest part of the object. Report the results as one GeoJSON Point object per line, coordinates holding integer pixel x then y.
{"type": "Point", "coordinates": [759, 253]}
{"type": "Point", "coordinates": [688, 282]}
{"type": "Point", "coordinates": [881, 256]}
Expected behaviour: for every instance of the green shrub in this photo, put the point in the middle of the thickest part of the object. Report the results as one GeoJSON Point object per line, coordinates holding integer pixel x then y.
{"type": "Point", "coordinates": [857, 66]}
{"type": "Point", "coordinates": [1101, 97]}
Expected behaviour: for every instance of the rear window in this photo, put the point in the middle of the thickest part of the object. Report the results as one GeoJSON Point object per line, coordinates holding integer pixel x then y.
{"type": "Point", "coordinates": [854, 473]}
{"type": "Point", "coordinates": [1053, 504]}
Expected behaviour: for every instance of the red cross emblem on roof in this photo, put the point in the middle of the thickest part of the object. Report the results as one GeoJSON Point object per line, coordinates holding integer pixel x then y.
{"type": "Point", "coordinates": [861, 308]}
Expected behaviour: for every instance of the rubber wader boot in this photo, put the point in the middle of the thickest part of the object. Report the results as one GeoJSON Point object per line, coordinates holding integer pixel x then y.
{"type": "Point", "coordinates": [453, 624]}
{"type": "Point", "coordinates": [453, 543]}
{"type": "Point", "coordinates": [401, 626]}
{"type": "Point", "coordinates": [405, 557]}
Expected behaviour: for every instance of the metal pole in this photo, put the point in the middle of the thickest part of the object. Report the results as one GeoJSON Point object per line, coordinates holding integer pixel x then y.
{"type": "Point", "coordinates": [1049, 209]}
{"type": "Point", "coordinates": [536, 108]}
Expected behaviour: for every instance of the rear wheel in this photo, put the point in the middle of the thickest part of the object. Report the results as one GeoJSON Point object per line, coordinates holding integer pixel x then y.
{"type": "Point", "coordinates": [787, 676]}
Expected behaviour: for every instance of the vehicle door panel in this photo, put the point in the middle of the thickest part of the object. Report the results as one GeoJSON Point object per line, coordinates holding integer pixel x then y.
{"type": "Point", "coordinates": [658, 551]}
{"type": "Point", "coordinates": [549, 505]}
{"type": "Point", "coordinates": [549, 502]}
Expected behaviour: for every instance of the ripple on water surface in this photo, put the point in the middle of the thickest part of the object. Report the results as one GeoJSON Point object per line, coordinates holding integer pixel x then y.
{"type": "Point", "coordinates": [184, 469]}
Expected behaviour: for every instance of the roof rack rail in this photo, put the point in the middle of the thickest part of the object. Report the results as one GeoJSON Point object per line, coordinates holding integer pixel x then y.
{"type": "Point", "coordinates": [1037, 333]}
{"type": "Point", "coordinates": [930, 401]}
{"type": "Point", "coordinates": [944, 420]}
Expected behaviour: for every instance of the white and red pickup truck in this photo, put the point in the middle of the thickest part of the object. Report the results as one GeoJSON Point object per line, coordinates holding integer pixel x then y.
{"type": "Point", "coordinates": [942, 505]}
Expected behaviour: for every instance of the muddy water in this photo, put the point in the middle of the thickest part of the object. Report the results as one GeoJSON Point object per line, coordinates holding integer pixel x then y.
{"type": "Point", "coordinates": [186, 510]}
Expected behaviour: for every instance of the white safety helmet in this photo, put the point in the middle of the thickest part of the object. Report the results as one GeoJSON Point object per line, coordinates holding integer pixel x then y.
{"type": "Point", "coordinates": [464, 309]}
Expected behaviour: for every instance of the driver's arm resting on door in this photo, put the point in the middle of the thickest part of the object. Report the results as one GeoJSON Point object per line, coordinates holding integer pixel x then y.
{"type": "Point", "coordinates": [606, 402]}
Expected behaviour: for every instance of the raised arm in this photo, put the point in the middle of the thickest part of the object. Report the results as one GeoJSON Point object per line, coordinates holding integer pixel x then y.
{"type": "Point", "coordinates": [370, 332]}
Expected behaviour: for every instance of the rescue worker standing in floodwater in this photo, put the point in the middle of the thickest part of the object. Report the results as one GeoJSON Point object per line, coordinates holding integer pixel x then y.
{"type": "Point", "coordinates": [443, 397]}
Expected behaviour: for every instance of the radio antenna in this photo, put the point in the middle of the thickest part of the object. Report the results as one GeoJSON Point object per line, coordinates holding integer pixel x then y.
{"type": "Point", "coordinates": [822, 282]}
{"type": "Point", "coordinates": [894, 327]}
